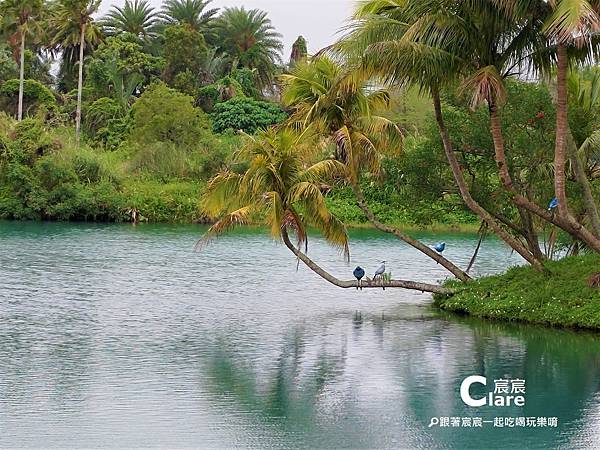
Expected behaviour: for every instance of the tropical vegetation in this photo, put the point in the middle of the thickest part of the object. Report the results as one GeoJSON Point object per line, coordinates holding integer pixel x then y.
{"type": "Point", "coordinates": [425, 112]}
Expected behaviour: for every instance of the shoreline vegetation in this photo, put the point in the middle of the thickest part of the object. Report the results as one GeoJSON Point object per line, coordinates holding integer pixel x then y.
{"type": "Point", "coordinates": [567, 298]}
{"type": "Point", "coordinates": [185, 113]}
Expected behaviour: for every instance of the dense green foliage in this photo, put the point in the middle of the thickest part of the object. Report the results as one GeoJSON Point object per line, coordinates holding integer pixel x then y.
{"type": "Point", "coordinates": [562, 297]}
{"type": "Point", "coordinates": [245, 114]}
{"type": "Point", "coordinates": [35, 96]}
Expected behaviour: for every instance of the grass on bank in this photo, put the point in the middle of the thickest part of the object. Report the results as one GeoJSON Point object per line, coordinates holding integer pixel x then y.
{"type": "Point", "coordinates": [562, 298]}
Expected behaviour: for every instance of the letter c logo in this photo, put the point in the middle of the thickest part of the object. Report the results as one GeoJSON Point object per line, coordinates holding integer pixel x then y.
{"type": "Point", "coordinates": [464, 390]}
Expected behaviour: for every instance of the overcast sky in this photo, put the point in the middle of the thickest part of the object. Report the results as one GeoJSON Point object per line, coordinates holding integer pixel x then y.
{"type": "Point", "coordinates": [317, 20]}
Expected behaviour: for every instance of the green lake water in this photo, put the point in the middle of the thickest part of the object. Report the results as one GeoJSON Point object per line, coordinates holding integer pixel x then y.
{"type": "Point", "coordinates": [120, 336]}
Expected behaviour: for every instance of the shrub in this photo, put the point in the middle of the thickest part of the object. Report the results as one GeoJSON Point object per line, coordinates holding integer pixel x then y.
{"type": "Point", "coordinates": [241, 113]}
{"type": "Point", "coordinates": [36, 97]}
{"type": "Point", "coordinates": [162, 114]}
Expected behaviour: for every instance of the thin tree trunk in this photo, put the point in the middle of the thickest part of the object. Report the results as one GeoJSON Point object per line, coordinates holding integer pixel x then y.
{"type": "Point", "coordinates": [482, 233]}
{"type": "Point", "coordinates": [562, 125]}
{"type": "Point", "coordinates": [414, 285]}
{"type": "Point", "coordinates": [457, 272]}
{"type": "Point", "coordinates": [566, 222]}
{"type": "Point", "coordinates": [589, 201]}
{"type": "Point", "coordinates": [79, 86]}
{"type": "Point", "coordinates": [466, 194]}
{"type": "Point", "coordinates": [21, 77]}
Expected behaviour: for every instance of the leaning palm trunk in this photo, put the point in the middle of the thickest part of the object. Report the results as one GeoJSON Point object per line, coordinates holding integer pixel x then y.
{"type": "Point", "coordinates": [79, 86]}
{"type": "Point", "coordinates": [414, 285]}
{"type": "Point", "coordinates": [564, 221]}
{"type": "Point", "coordinates": [21, 77]}
{"type": "Point", "coordinates": [466, 194]}
{"type": "Point", "coordinates": [457, 272]}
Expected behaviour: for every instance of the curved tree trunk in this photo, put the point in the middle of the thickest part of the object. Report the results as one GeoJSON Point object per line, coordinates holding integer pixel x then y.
{"type": "Point", "coordinates": [79, 85]}
{"type": "Point", "coordinates": [414, 285]}
{"type": "Point", "coordinates": [565, 222]}
{"type": "Point", "coordinates": [466, 194]}
{"type": "Point", "coordinates": [456, 271]}
{"type": "Point", "coordinates": [21, 77]}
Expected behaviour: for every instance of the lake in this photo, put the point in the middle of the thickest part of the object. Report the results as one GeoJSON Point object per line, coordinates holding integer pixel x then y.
{"type": "Point", "coordinates": [122, 336]}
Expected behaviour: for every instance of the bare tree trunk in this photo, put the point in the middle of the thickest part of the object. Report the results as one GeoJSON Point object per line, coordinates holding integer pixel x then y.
{"type": "Point", "coordinates": [589, 201]}
{"type": "Point", "coordinates": [79, 86]}
{"type": "Point", "coordinates": [466, 194]}
{"type": "Point", "coordinates": [414, 285]}
{"type": "Point", "coordinates": [21, 77]}
{"type": "Point", "coordinates": [457, 272]}
{"type": "Point", "coordinates": [562, 125]}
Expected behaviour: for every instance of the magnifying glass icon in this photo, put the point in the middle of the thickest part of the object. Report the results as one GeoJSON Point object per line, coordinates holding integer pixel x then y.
{"type": "Point", "coordinates": [434, 421]}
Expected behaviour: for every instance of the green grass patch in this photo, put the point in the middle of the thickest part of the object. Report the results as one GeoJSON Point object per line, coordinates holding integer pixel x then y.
{"type": "Point", "coordinates": [562, 297]}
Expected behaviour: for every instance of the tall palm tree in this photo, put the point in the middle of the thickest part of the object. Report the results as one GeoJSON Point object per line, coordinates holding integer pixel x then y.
{"type": "Point", "coordinates": [570, 24]}
{"type": "Point", "coordinates": [337, 103]}
{"type": "Point", "coordinates": [190, 12]}
{"type": "Point", "coordinates": [73, 24]}
{"type": "Point", "coordinates": [21, 18]}
{"type": "Point", "coordinates": [248, 38]}
{"type": "Point", "coordinates": [388, 40]}
{"type": "Point", "coordinates": [283, 185]}
{"type": "Point", "coordinates": [135, 16]}
{"type": "Point", "coordinates": [490, 44]}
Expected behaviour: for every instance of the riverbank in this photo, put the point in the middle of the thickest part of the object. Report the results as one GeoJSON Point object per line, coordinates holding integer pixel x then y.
{"type": "Point", "coordinates": [562, 299]}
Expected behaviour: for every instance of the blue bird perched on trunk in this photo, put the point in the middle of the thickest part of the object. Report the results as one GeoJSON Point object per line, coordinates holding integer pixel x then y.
{"type": "Point", "coordinates": [440, 247]}
{"type": "Point", "coordinates": [553, 204]}
{"type": "Point", "coordinates": [358, 274]}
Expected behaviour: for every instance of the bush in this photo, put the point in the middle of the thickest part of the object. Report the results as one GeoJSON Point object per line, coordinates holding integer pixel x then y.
{"type": "Point", "coordinates": [241, 113]}
{"type": "Point", "coordinates": [36, 97]}
{"type": "Point", "coordinates": [162, 114]}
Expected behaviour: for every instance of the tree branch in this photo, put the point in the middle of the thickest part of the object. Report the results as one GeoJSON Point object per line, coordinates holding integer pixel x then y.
{"type": "Point", "coordinates": [414, 285]}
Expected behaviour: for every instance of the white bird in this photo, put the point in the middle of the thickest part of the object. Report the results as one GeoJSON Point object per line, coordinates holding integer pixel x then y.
{"type": "Point", "coordinates": [380, 271]}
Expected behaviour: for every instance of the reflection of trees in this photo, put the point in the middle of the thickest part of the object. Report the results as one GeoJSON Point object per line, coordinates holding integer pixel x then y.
{"type": "Point", "coordinates": [418, 366]}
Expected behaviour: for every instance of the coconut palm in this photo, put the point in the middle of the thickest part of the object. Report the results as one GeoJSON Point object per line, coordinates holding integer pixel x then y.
{"type": "Point", "coordinates": [283, 182]}
{"type": "Point", "coordinates": [249, 40]}
{"type": "Point", "coordinates": [283, 185]}
{"type": "Point", "coordinates": [488, 44]}
{"type": "Point", "coordinates": [73, 25]}
{"type": "Point", "coordinates": [190, 12]}
{"type": "Point", "coordinates": [135, 16]}
{"type": "Point", "coordinates": [393, 41]}
{"type": "Point", "coordinates": [19, 19]}
{"type": "Point", "coordinates": [338, 104]}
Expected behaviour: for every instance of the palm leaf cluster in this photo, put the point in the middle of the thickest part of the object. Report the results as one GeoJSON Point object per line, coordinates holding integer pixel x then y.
{"type": "Point", "coordinates": [282, 185]}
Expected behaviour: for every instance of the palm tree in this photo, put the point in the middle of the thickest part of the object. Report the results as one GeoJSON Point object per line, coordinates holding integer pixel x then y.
{"type": "Point", "coordinates": [21, 17]}
{"type": "Point", "coordinates": [338, 104]}
{"type": "Point", "coordinates": [283, 185]}
{"type": "Point", "coordinates": [135, 16]}
{"type": "Point", "coordinates": [249, 40]}
{"type": "Point", "coordinates": [190, 12]}
{"type": "Point", "coordinates": [489, 44]}
{"type": "Point", "coordinates": [392, 41]}
{"type": "Point", "coordinates": [73, 24]}
{"type": "Point", "coordinates": [571, 23]}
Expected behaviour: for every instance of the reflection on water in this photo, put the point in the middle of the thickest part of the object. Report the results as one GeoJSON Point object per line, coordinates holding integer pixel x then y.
{"type": "Point", "coordinates": [119, 336]}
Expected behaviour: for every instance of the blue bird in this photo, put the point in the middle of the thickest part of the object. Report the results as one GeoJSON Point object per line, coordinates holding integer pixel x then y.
{"type": "Point", "coordinates": [553, 204]}
{"type": "Point", "coordinates": [440, 247]}
{"type": "Point", "coordinates": [358, 274]}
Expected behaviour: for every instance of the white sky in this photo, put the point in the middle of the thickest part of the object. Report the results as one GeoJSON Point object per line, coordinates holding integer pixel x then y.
{"type": "Point", "coordinates": [317, 20]}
